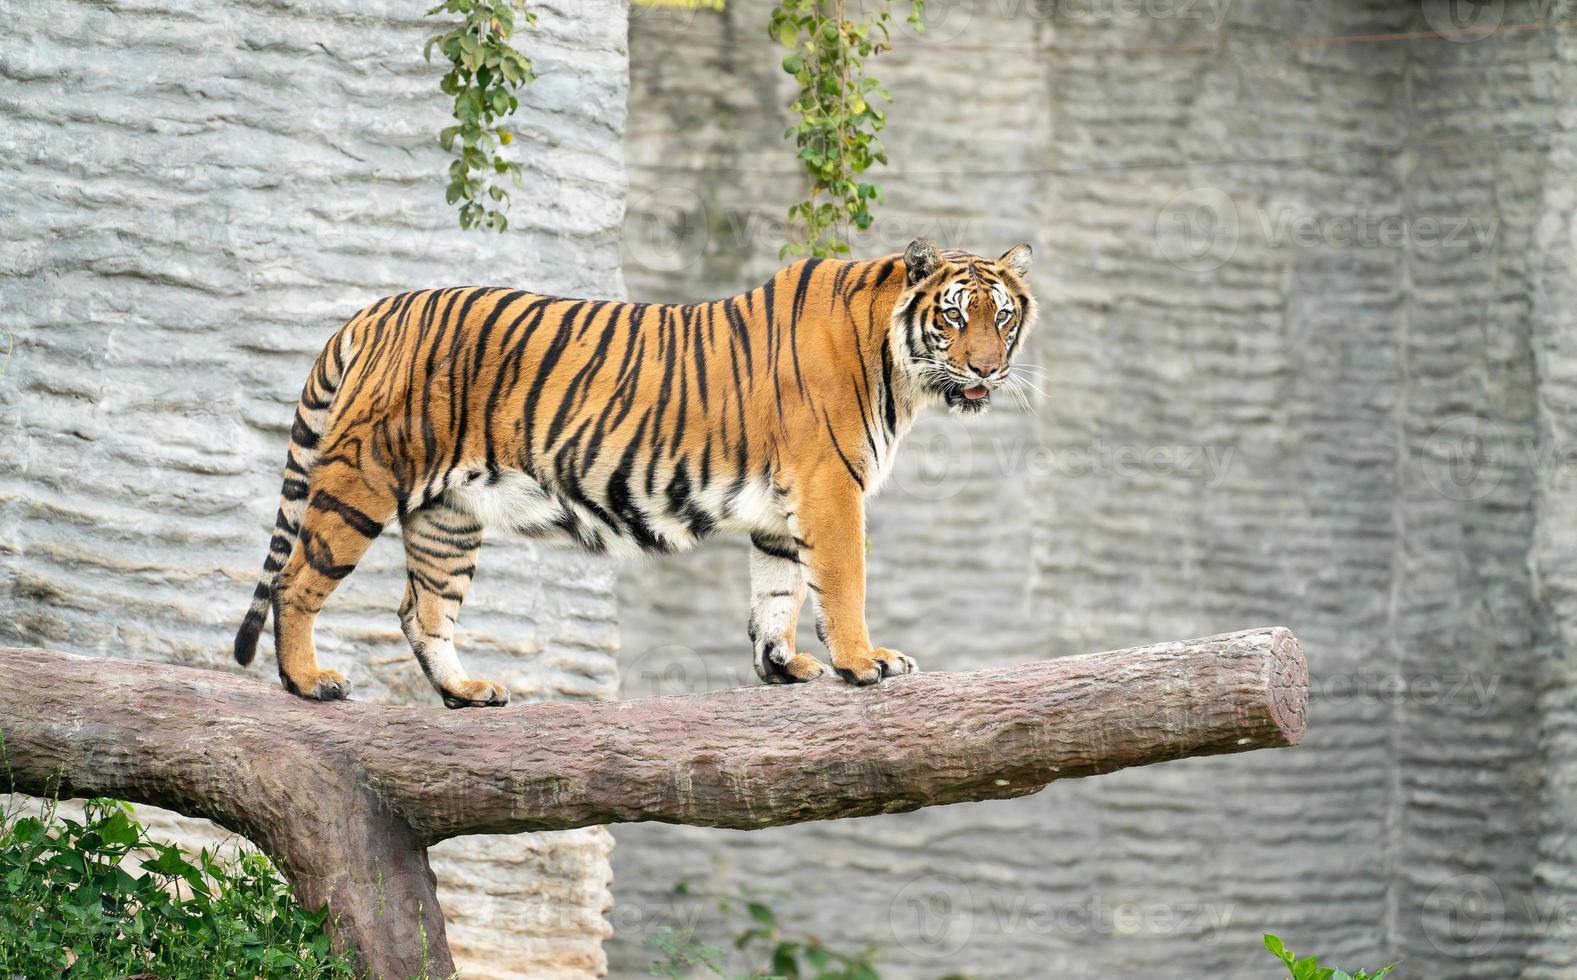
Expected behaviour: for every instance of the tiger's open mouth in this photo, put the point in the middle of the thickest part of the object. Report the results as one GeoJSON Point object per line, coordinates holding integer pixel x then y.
{"type": "Point", "coordinates": [967, 399]}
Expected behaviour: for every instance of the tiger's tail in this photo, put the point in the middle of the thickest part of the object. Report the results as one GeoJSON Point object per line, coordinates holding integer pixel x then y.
{"type": "Point", "coordinates": [312, 417]}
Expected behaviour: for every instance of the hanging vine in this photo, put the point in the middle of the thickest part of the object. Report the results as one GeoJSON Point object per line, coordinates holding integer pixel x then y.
{"type": "Point", "coordinates": [485, 75]}
{"type": "Point", "coordinates": [838, 119]}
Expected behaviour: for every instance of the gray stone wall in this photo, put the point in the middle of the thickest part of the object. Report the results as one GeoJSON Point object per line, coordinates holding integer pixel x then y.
{"type": "Point", "coordinates": [1307, 280]}
{"type": "Point", "coordinates": [192, 199]}
{"type": "Point", "coordinates": [1552, 282]}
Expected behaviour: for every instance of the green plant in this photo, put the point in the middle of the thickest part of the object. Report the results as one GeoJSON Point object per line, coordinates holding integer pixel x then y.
{"type": "Point", "coordinates": [485, 75]}
{"type": "Point", "coordinates": [70, 907]}
{"type": "Point", "coordinates": [683, 954]}
{"type": "Point", "coordinates": [760, 939]}
{"type": "Point", "coordinates": [1309, 967]}
{"type": "Point", "coordinates": [838, 120]}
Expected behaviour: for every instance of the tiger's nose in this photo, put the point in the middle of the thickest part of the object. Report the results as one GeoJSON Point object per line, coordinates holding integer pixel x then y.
{"type": "Point", "coordinates": [985, 370]}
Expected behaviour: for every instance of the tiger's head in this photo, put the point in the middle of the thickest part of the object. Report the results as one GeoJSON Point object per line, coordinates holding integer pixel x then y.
{"type": "Point", "coordinates": [961, 319]}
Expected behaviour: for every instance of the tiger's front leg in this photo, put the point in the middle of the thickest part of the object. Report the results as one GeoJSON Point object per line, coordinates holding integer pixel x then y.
{"type": "Point", "coordinates": [829, 520]}
{"type": "Point", "coordinates": [777, 592]}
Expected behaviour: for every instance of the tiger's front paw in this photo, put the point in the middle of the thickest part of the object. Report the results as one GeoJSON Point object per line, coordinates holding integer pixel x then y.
{"type": "Point", "coordinates": [777, 663]}
{"type": "Point", "coordinates": [476, 694]}
{"type": "Point", "coordinates": [872, 667]}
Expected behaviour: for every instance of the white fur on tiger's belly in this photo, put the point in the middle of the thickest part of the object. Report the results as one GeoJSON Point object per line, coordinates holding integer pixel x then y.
{"type": "Point", "coordinates": [756, 509]}
{"type": "Point", "coordinates": [515, 502]}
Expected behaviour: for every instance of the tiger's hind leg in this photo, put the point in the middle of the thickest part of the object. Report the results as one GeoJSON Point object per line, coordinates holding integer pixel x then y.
{"type": "Point", "coordinates": [441, 545]}
{"type": "Point", "coordinates": [344, 514]}
{"type": "Point", "coordinates": [777, 592]}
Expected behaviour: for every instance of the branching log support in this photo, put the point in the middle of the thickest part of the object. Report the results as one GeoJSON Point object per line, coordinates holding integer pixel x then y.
{"type": "Point", "coordinates": [347, 797]}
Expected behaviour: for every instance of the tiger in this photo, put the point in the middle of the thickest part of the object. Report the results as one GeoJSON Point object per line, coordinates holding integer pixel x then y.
{"type": "Point", "coordinates": [629, 428]}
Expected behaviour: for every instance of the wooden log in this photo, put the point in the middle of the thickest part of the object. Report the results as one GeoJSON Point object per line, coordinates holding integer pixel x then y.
{"type": "Point", "coordinates": [346, 797]}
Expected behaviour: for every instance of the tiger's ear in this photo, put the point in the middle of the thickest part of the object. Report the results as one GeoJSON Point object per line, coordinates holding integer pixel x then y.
{"type": "Point", "coordinates": [921, 259]}
{"type": "Point", "coordinates": [1017, 258]}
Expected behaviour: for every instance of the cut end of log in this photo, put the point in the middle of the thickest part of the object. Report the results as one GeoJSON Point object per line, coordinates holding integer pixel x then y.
{"type": "Point", "coordinates": [1288, 688]}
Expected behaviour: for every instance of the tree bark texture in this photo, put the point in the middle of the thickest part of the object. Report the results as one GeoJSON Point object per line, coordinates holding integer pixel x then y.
{"type": "Point", "coordinates": [346, 797]}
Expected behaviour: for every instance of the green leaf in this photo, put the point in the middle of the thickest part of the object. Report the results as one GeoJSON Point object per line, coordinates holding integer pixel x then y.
{"type": "Point", "coordinates": [784, 962]}
{"type": "Point", "coordinates": [762, 914]}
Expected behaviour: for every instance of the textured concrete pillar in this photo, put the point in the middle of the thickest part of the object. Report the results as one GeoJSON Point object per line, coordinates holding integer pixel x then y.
{"type": "Point", "coordinates": [193, 200]}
